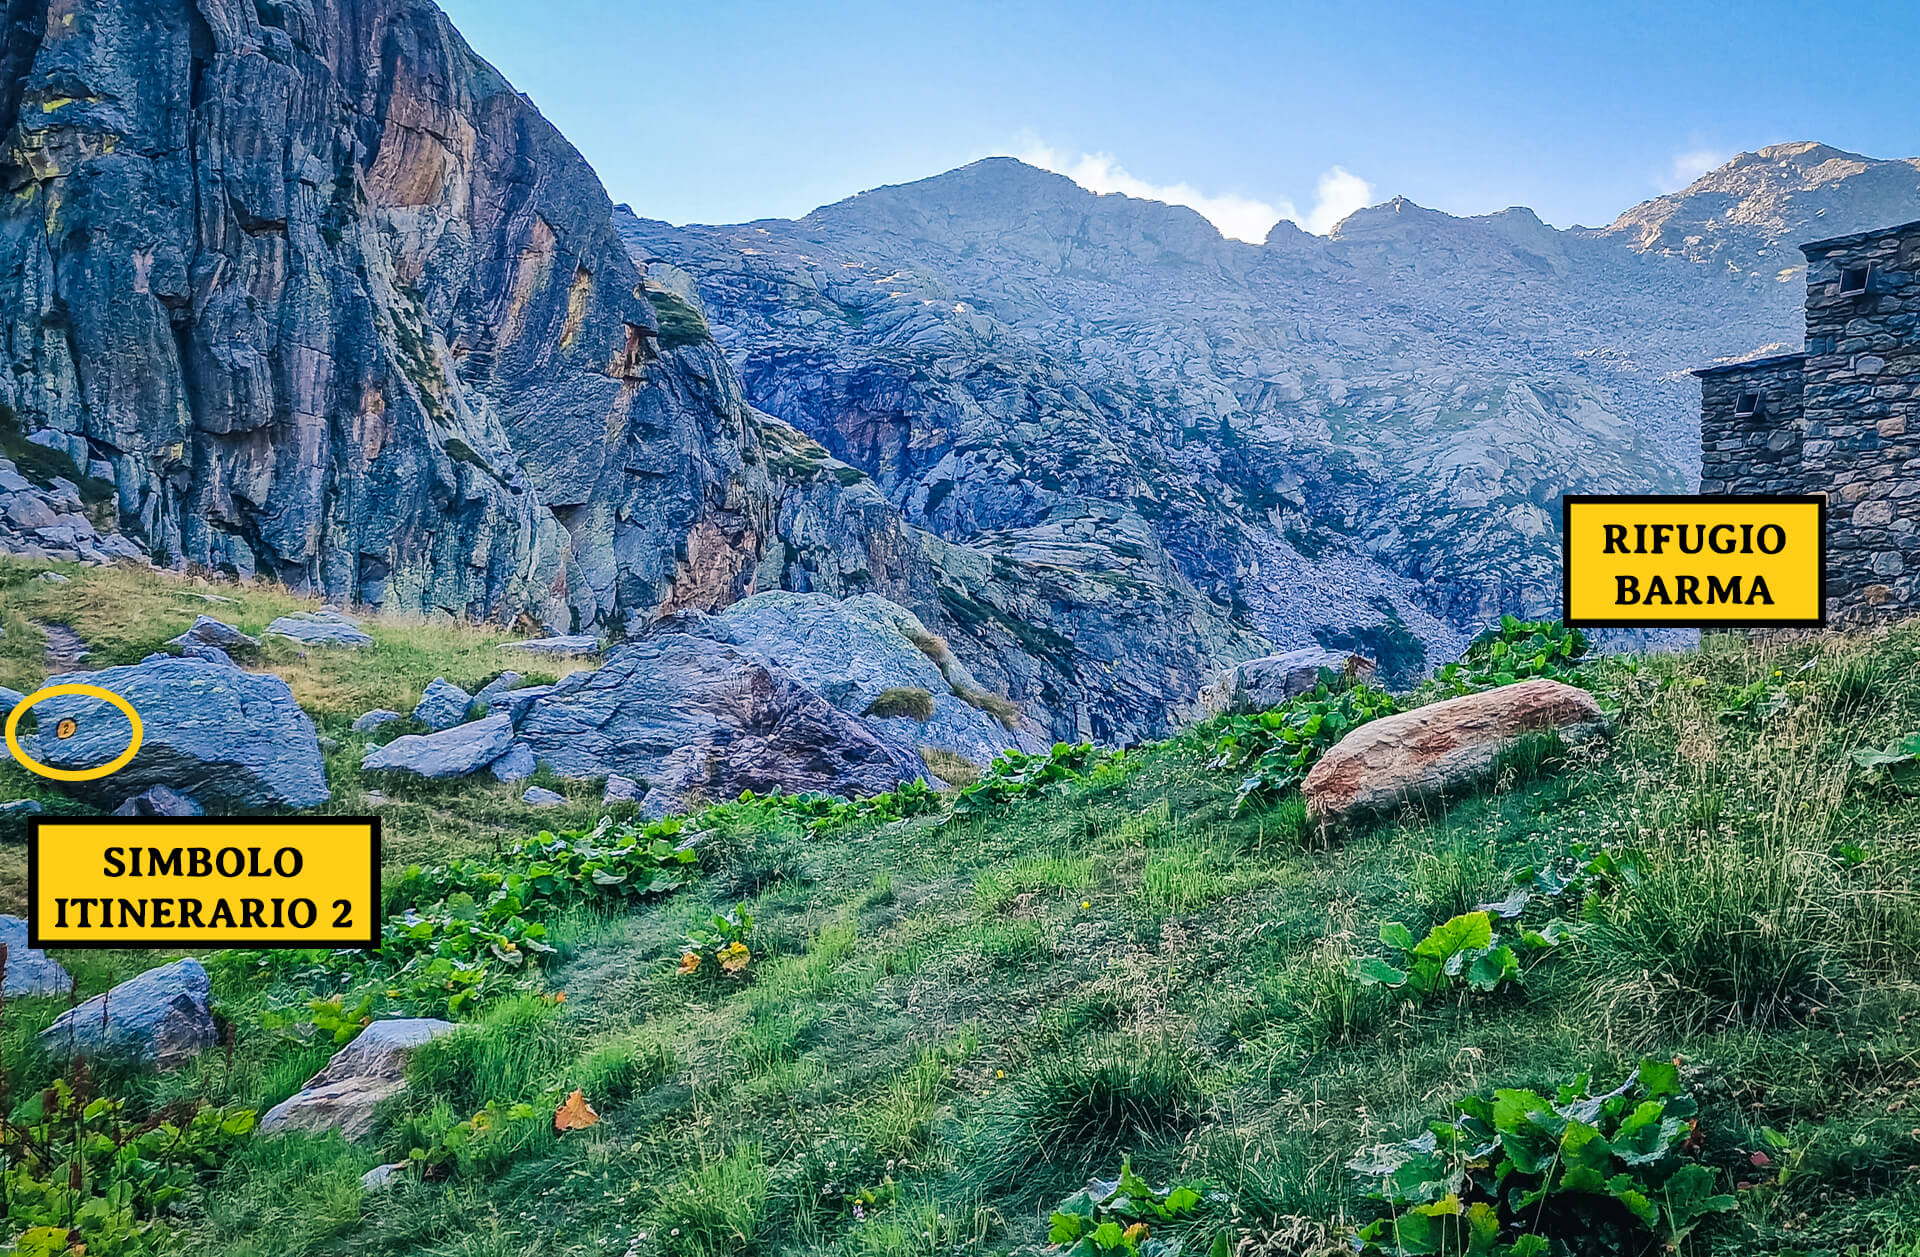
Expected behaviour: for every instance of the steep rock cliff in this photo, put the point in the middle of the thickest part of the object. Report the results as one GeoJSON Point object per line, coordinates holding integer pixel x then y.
{"type": "Point", "coordinates": [329, 302]}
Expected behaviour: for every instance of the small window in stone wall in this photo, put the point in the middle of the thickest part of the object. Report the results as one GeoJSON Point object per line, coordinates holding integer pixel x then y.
{"type": "Point", "coordinates": [1853, 280]}
{"type": "Point", "coordinates": [1746, 406]}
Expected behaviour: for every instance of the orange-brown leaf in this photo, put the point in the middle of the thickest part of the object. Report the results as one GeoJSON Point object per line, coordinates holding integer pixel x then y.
{"type": "Point", "coordinates": [575, 1114]}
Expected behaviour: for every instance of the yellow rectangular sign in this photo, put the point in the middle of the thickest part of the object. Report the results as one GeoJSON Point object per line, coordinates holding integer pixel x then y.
{"type": "Point", "coordinates": [269, 882]}
{"type": "Point", "coordinates": [1700, 561]}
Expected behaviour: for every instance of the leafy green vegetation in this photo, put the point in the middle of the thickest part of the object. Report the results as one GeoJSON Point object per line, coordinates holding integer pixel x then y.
{"type": "Point", "coordinates": [1515, 1174]}
{"type": "Point", "coordinates": [1275, 748]}
{"type": "Point", "coordinates": [1515, 650]}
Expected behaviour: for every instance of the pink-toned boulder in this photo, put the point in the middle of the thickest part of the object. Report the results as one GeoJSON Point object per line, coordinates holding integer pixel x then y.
{"type": "Point", "coordinates": [1441, 748]}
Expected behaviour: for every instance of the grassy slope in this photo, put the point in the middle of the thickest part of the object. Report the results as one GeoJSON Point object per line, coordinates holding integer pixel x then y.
{"type": "Point", "coordinates": [965, 1021]}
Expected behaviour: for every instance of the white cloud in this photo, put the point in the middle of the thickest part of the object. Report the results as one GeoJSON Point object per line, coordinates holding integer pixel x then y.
{"type": "Point", "coordinates": [1338, 194]}
{"type": "Point", "coordinates": [1690, 165]}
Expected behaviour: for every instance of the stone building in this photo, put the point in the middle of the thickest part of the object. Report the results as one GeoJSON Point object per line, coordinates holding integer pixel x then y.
{"type": "Point", "coordinates": [1841, 418]}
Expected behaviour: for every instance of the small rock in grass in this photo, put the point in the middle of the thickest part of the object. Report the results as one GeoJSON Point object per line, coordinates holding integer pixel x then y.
{"type": "Point", "coordinates": [539, 796]}
{"type": "Point", "coordinates": [374, 719]}
{"type": "Point", "coordinates": [344, 1095]}
{"type": "Point", "coordinates": [21, 807]}
{"type": "Point", "coordinates": [320, 628]}
{"type": "Point", "coordinates": [29, 972]}
{"type": "Point", "coordinates": [53, 578]}
{"type": "Point", "coordinates": [207, 631]}
{"type": "Point", "coordinates": [381, 1177]}
{"type": "Point", "coordinates": [623, 790]}
{"type": "Point", "coordinates": [159, 801]}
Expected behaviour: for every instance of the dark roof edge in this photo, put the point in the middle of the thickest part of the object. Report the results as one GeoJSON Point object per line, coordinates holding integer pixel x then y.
{"type": "Point", "coordinates": [1728, 368]}
{"type": "Point", "coordinates": [1857, 237]}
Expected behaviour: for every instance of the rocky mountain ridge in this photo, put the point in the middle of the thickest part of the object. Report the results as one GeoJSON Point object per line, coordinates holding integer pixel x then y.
{"type": "Point", "coordinates": [307, 292]}
{"type": "Point", "coordinates": [1357, 439]}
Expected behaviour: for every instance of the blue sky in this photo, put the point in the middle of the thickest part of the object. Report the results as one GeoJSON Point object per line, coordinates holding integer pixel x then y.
{"type": "Point", "coordinates": [719, 111]}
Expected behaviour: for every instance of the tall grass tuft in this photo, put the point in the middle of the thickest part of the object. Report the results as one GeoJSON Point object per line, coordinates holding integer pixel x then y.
{"type": "Point", "coordinates": [1068, 1116]}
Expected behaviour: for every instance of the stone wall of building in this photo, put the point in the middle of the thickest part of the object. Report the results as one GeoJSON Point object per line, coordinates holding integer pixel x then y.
{"type": "Point", "coordinates": [1862, 416]}
{"type": "Point", "coordinates": [1842, 419]}
{"type": "Point", "coordinates": [1757, 453]}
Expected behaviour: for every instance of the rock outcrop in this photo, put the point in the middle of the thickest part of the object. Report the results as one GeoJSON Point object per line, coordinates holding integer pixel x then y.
{"type": "Point", "coordinates": [854, 651]}
{"type": "Point", "coordinates": [344, 1095]}
{"type": "Point", "coordinates": [1271, 680]}
{"type": "Point", "coordinates": [455, 752]}
{"type": "Point", "coordinates": [160, 1018]}
{"type": "Point", "coordinates": [225, 737]}
{"type": "Point", "coordinates": [695, 717]}
{"type": "Point", "coordinates": [1442, 747]}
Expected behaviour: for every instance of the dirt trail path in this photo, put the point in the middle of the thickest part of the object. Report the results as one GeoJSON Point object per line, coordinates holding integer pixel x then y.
{"type": "Point", "coordinates": [66, 650]}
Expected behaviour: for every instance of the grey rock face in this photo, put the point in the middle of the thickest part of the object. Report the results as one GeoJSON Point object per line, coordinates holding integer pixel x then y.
{"type": "Point", "coordinates": [207, 631]}
{"type": "Point", "coordinates": [851, 651]}
{"type": "Point", "coordinates": [320, 628]}
{"type": "Point", "coordinates": [344, 1095]}
{"type": "Point", "coordinates": [9, 699]}
{"type": "Point", "coordinates": [159, 801]}
{"type": "Point", "coordinates": [690, 714]}
{"type": "Point", "coordinates": [1271, 680]}
{"type": "Point", "coordinates": [160, 1018]}
{"type": "Point", "coordinates": [540, 797]}
{"type": "Point", "coordinates": [456, 752]}
{"type": "Point", "coordinates": [374, 719]}
{"type": "Point", "coordinates": [209, 654]}
{"type": "Point", "coordinates": [29, 971]}
{"type": "Point", "coordinates": [443, 705]}
{"type": "Point", "coordinates": [223, 736]}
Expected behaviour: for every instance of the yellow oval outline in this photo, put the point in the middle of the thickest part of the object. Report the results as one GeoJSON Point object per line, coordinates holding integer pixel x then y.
{"type": "Point", "coordinates": [72, 774]}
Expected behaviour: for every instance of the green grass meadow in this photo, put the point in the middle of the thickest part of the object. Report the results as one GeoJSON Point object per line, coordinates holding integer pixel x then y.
{"type": "Point", "coordinates": [948, 1026]}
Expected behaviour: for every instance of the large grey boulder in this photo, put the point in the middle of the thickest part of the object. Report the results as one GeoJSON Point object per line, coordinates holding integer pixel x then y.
{"type": "Point", "coordinates": [9, 699]}
{"type": "Point", "coordinates": [207, 631]}
{"type": "Point", "coordinates": [29, 971]}
{"type": "Point", "coordinates": [455, 752]}
{"type": "Point", "coordinates": [320, 628]}
{"type": "Point", "coordinates": [1443, 747]}
{"type": "Point", "coordinates": [443, 705]}
{"type": "Point", "coordinates": [344, 1095]}
{"type": "Point", "coordinates": [689, 714]}
{"type": "Point", "coordinates": [1271, 680]}
{"type": "Point", "coordinates": [228, 738]}
{"type": "Point", "coordinates": [851, 651]}
{"type": "Point", "coordinates": [160, 1018]}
